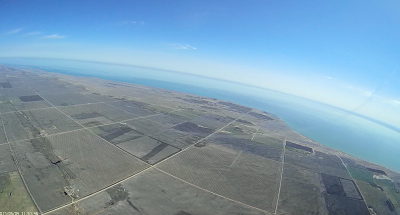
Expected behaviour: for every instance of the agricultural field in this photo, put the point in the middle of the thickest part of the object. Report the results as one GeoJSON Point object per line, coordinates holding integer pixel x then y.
{"type": "Point", "coordinates": [73, 145]}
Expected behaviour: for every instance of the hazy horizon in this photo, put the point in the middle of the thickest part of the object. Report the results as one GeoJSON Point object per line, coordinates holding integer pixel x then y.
{"type": "Point", "coordinates": [340, 53]}
{"type": "Point", "coordinates": [236, 107]}
{"type": "Point", "coordinates": [372, 119]}
{"type": "Point", "coordinates": [324, 124]}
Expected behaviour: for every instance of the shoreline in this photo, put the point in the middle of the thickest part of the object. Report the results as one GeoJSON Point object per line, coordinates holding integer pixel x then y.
{"type": "Point", "coordinates": [324, 147]}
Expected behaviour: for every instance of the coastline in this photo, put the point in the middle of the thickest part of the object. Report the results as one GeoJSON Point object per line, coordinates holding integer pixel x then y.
{"type": "Point", "coordinates": [248, 103]}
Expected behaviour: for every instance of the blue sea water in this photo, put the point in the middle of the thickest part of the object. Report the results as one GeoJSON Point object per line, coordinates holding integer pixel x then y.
{"type": "Point", "coordinates": [327, 125]}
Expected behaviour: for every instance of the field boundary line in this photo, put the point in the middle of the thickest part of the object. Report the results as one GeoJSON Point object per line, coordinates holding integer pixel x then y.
{"type": "Point", "coordinates": [215, 194]}
{"type": "Point", "coordinates": [362, 196]}
{"type": "Point", "coordinates": [148, 166]}
{"type": "Point", "coordinates": [84, 128]}
{"type": "Point", "coordinates": [45, 108]}
{"type": "Point", "coordinates": [99, 191]}
{"type": "Point", "coordinates": [138, 173]}
{"type": "Point", "coordinates": [201, 139]}
{"type": "Point", "coordinates": [18, 169]}
{"type": "Point", "coordinates": [280, 182]}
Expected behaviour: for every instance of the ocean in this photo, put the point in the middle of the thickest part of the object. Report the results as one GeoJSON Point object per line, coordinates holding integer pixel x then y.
{"type": "Point", "coordinates": [327, 125]}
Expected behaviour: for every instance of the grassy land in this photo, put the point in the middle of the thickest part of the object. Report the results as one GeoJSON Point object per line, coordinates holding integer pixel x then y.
{"type": "Point", "coordinates": [13, 195]}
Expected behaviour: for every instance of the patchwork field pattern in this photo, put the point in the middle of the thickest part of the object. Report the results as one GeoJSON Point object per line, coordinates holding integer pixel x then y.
{"type": "Point", "coordinates": [73, 145]}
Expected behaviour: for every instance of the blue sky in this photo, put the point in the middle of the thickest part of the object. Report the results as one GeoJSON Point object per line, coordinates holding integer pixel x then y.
{"type": "Point", "coordinates": [344, 53]}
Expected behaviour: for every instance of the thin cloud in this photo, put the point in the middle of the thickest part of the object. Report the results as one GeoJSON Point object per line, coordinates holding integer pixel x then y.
{"type": "Point", "coordinates": [395, 102]}
{"type": "Point", "coordinates": [182, 46]}
{"type": "Point", "coordinates": [368, 93]}
{"type": "Point", "coordinates": [131, 23]}
{"type": "Point", "coordinates": [33, 33]}
{"type": "Point", "coordinates": [329, 77]}
{"type": "Point", "coordinates": [54, 36]}
{"type": "Point", "coordinates": [14, 31]}
{"type": "Point", "coordinates": [128, 22]}
{"type": "Point", "coordinates": [362, 91]}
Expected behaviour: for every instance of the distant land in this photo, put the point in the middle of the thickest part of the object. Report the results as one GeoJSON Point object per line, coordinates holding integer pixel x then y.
{"type": "Point", "coordinates": [322, 123]}
{"type": "Point", "coordinates": [391, 127]}
{"type": "Point", "coordinates": [82, 145]}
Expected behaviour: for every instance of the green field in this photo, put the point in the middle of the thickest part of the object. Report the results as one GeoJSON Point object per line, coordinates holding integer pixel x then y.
{"type": "Point", "coordinates": [13, 196]}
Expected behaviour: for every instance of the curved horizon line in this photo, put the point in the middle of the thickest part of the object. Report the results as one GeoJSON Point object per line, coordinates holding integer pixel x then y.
{"type": "Point", "coordinates": [381, 123]}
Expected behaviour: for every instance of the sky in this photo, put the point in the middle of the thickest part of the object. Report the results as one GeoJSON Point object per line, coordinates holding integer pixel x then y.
{"type": "Point", "coordinates": [342, 53]}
